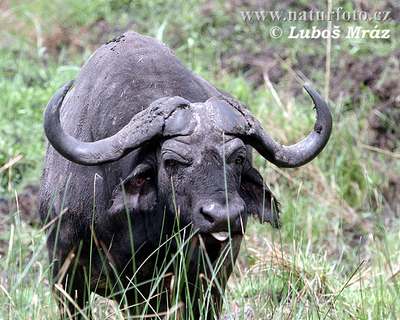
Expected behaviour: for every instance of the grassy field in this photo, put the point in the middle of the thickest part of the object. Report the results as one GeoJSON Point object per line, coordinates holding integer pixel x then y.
{"type": "Point", "coordinates": [337, 255]}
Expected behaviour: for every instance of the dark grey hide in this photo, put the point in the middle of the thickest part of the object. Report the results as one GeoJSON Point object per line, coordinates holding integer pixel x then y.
{"type": "Point", "coordinates": [145, 146]}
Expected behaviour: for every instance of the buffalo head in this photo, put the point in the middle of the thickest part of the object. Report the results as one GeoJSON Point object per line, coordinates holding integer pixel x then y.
{"type": "Point", "coordinates": [201, 167]}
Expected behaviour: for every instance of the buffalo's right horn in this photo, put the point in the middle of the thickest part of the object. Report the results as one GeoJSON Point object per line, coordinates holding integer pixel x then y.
{"type": "Point", "coordinates": [143, 127]}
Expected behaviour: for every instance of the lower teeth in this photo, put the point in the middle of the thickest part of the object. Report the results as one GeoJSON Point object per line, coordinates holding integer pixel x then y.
{"type": "Point", "coordinates": [220, 236]}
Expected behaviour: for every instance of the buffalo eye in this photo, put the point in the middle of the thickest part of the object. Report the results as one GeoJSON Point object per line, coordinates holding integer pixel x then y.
{"type": "Point", "coordinates": [239, 160]}
{"type": "Point", "coordinates": [141, 175]}
{"type": "Point", "coordinates": [139, 181]}
{"type": "Point", "coordinates": [174, 160]}
{"type": "Point", "coordinates": [171, 163]}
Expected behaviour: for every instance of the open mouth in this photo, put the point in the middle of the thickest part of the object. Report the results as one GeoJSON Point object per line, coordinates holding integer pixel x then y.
{"type": "Point", "coordinates": [220, 236]}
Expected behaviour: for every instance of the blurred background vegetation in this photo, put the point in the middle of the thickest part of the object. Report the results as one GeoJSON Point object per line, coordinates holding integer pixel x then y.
{"type": "Point", "coordinates": [337, 254]}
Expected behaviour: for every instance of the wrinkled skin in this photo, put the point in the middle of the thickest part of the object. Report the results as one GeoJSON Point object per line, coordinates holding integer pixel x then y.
{"type": "Point", "coordinates": [204, 177]}
{"type": "Point", "coordinates": [195, 178]}
{"type": "Point", "coordinates": [187, 175]}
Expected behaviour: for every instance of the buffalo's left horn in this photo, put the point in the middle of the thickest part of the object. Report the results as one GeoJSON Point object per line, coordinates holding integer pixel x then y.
{"type": "Point", "coordinates": [143, 127]}
{"type": "Point", "coordinates": [297, 154]}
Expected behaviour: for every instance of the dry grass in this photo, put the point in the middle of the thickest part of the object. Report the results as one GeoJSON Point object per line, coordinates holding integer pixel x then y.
{"type": "Point", "coordinates": [337, 254]}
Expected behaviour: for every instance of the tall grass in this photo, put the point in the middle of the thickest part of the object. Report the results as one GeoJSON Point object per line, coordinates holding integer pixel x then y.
{"type": "Point", "coordinates": [337, 253]}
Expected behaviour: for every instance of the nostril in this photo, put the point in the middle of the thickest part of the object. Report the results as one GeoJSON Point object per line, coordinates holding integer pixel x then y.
{"type": "Point", "coordinates": [207, 216]}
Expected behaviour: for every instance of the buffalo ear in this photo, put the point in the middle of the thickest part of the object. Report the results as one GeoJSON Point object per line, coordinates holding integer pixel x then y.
{"type": "Point", "coordinates": [136, 193]}
{"type": "Point", "coordinates": [258, 197]}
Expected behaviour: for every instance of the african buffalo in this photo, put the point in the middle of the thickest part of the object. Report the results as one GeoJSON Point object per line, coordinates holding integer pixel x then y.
{"type": "Point", "coordinates": [141, 150]}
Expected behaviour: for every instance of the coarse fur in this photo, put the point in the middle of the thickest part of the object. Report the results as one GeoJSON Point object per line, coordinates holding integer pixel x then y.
{"type": "Point", "coordinates": [201, 181]}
